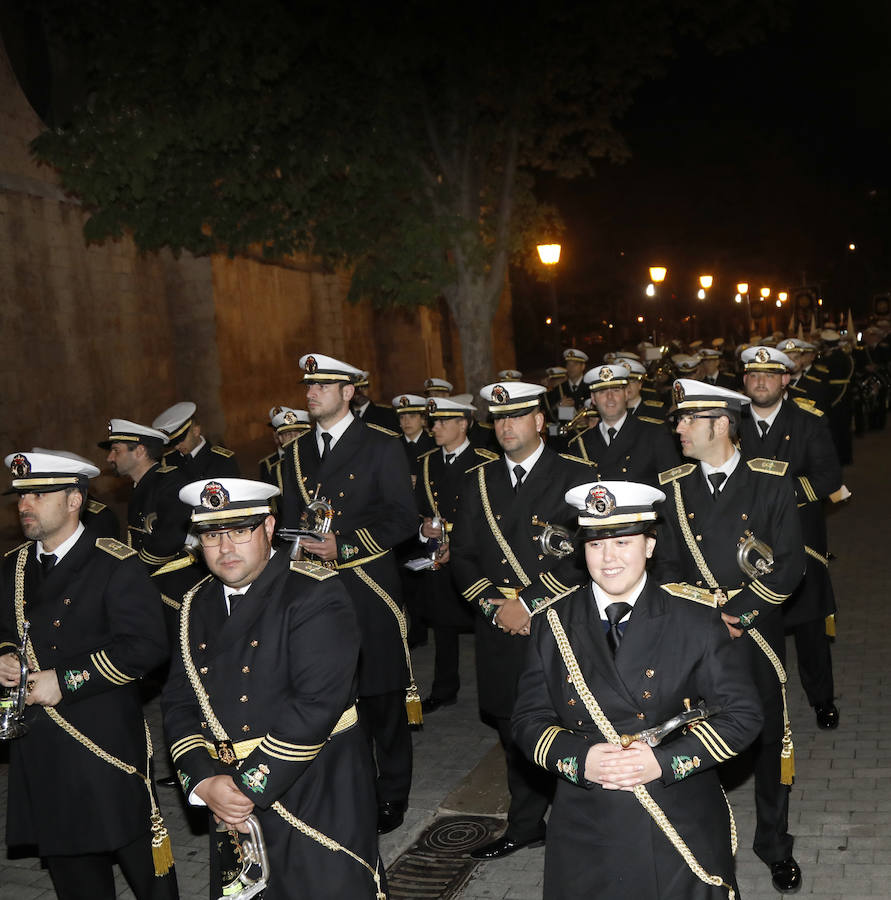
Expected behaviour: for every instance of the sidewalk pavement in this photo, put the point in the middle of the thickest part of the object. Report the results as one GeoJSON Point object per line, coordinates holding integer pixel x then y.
{"type": "Point", "coordinates": [840, 808]}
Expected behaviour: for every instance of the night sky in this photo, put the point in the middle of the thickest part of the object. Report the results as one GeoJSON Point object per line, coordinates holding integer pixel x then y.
{"type": "Point", "coordinates": [761, 165]}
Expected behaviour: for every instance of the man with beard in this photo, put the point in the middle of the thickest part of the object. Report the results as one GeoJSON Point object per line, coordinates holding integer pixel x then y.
{"type": "Point", "coordinates": [80, 785]}
{"type": "Point", "coordinates": [723, 516]}
{"type": "Point", "coordinates": [191, 452]}
{"type": "Point", "coordinates": [797, 434]}
{"type": "Point", "coordinates": [361, 472]}
{"type": "Point", "coordinates": [506, 510]}
{"type": "Point", "coordinates": [620, 446]}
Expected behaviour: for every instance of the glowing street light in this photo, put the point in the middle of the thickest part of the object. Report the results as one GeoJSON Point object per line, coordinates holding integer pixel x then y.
{"type": "Point", "coordinates": [743, 287]}
{"type": "Point", "coordinates": [779, 304]}
{"type": "Point", "coordinates": [852, 247]}
{"type": "Point", "coordinates": [737, 298]}
{"type": "Point", "coordinates": [701, 293]}
{"type": "Point", "coordinates": [706, 281]}
{"type": "Point", "coordinates": [651, 290]}
{"type": "Point", "coordinates": [549, 254]}
{"type": "Point", "coordinates": [783, 296]}
{"type": "Point", "coordinates": [657, 274]}
{"type": "Point", "coordinates": [765, 292]}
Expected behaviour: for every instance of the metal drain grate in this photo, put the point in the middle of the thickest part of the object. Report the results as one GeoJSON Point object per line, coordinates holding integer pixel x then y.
{"type": "Point", "coordinates": [438, 865]}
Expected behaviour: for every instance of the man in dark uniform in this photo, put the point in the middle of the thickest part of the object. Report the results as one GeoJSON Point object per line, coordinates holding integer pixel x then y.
{"type": "Point", "coordinates": [361, 471]}
{"type": "Point", "coordinates": [570, 395]}
{"type": "Point", "coordinates": [620, 655]}
{"type": "Point", "coordinates": [286, 424]}
{"type": "Point", "coordinates": [840, 367]}
{"type": "Point", "coordinates": [411, 410]}
{"type": "Point", "coordinates": [500, 567]}
{"type": "Point", "coordinates": [437, 495]}
{"type": "Point", "coordinates": [95, 630]}
{"type": "Point", "coordinates": [647, 409]}
{"type": "Point", "coordinates": [722, 518]}
{"type": "Point", "coordinates": [372, 413]}
{"type": "Point", "coordinates": [190, 450]}
{"type": "Point", "coordinates": [805, 382]}
{"type": "Point", "coordinates": [796, 433]}
{"type": "Point", "coordinates": [259, 710]}
{"type": "Point", "coordinates": [622, 447]}
{"type": "Point", "coordinates": [156, 525]}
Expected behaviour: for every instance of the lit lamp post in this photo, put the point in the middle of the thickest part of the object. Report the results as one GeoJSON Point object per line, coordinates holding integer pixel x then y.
{"type": "Point", "coordinates": [549, 254]}
{"type": "Point", "coordinates": [742, 293]}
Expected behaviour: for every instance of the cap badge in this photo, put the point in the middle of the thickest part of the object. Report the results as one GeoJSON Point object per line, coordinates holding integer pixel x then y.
{"type": "Point", "coordinates": [276, 411]}
{"type": "Point", "coordinates": [290, 418]}
{"type": "Point", "coordinates": [762, 355]}
{"type": "Point", "coordinates": [19, 467]}
{"type": "Point", "coordinates": [678, 393]}
{"type": "Point", "coordinates": [789, 345]}
{"type": "Point", "coordinates": [500, 394]}
{"type": "Point", "coordinates": [404, 401]}
{"type": "Point", "coordinates": [431, 406]}
{"type": "Point", "coordinates": [600, 502]}
{"type": "Point", "coordinates": [312, 365]}
{"type": "Point", "coordinates": [605, 374]}
{"type": "Point", "coordinates": [214, 496]}
{"type": "Point", "coordinates": [428, 383]}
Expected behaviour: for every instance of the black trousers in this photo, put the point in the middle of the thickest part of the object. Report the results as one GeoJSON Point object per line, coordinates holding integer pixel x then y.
{"type": "Point", "coordinates": [91, 876]}
{"type": "Point", "coordinates": [531, 789]}
{"type": "Point", "coordinates": [813, 647]}
{"type": "Point", "coordinates": [385, 723]}
{"type": "Point", "coordinates": [446, 679]}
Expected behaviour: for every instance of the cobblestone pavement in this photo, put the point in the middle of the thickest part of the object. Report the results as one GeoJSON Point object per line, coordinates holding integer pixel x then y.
{"type": "Point", "coordinates": [840, 810]}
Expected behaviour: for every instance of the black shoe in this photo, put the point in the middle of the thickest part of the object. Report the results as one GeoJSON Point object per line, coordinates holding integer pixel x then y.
{"type": "Point", "coordinates": [389, 817]}
{"type": "Point", "coordinates": [431, 703]}
{"type": "Point", "coordinates": [169, 781]}
{"type": "Point", "coordinates": [504, 846]}
{"type": "Point", "coordinates": [827, 715]}
{"type": "Point", "coordinates": [786, 876]}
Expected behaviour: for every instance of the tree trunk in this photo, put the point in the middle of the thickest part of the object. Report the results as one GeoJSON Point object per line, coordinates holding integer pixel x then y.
{"type": "Point", "coordinates": [473, 306]}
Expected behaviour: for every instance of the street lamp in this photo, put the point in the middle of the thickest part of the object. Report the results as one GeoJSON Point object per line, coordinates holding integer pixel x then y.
{"type": "Point", "coordinates": [743, 287]}
{"type": "Point", "coordinates": [783, 296]}
{"type": "Point", "coordinates": [765, 292]}
{"type": "Point", "coordinates": [657, 274]}
{"type": "Point", "coordinates": [705, 281]}
{"type": "Point", "coordinates": [549, 254]}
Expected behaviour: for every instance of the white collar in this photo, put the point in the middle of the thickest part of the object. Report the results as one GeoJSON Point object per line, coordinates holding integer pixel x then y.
{"type": "Point", "coordinates": [457, 451]}
{"type": "Point", "coordinates": [769, 419]}
{"type": "Point", "coordinates": [198, 447]}
{"type": "Point", "coordinates": [618, 426]}
{"type": "Point", "coordinates": [336, 431]}
{"type": "Point", "coordinates": [64, 547]}
{"type": "Point", "coordinates": [229, 591]}
{"type": "Point", "coordinates": [527, 463]}
{"type": "Point", "coordinates": [602, 599]}
{"type": "Point", "coordinates": [727, 467]}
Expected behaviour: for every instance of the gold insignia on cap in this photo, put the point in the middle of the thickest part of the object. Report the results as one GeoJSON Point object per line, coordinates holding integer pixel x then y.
{"type": "Point", "coordinates": [762, 355]}
{"type": "Point", "coordinates": [605, 374]}
{"type": "Point", "coordinates": [431, 406]}
{"type": "Point", "coordinates": [678, 393]}
{"type": "Point", "coordinates": [214, 496]}
{"type": "Point", "coordinates": [276, 411]}
{"type": "Point", "coordinates": [290, 418]}
{"type": "Point", "coordinates": [500, 394]}
{"type": "Point", "coordinates": [404, 401]}
{"type": "Point", "coordinates": [428, 383]}
{"type": "Point", "coordinates": [311, 365]}
{"type": "Point", "coordinates": [600, 502]}
{"type": "Point", "coordinates": [19, 467]}
{"type": "Point", "coordinates": [789, 345]}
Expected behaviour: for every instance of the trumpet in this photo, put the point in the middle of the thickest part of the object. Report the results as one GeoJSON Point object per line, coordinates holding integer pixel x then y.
{"type": "Point", "coordinates": [315, 523]}
{"type": "Point", "coordinates": [757, 566]}
{"type": "Point", "coordinates": [249, 872]}
{"type": "Point", "coordinates": [567, 427]}
{"type": "Point", "coordinates": [12, 701]}
{"type": "Point", "coordinates": [554, 540]}
{"type": "Point", "coordinates": [438, 546]}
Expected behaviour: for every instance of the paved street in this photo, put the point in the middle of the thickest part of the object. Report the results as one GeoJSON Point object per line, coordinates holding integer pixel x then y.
{"type": "Point", "coordinates": [840, 810]}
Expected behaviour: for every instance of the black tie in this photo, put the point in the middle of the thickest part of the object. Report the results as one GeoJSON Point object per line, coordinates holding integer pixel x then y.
{"type": "Point", "coordinates": [449, 458]}
{"type": "Point", "coordinates": [765, 427]}
{"type": "Point", "coordinates": [717, 479]}
{"type": "Point", "coordinates": [615, 612]}
{"type": "Point", "coordinates": [520, 473]}
{"type": "Point", "coordinates": [326, 440]}
{"type": "Point", "coordinates": [233, 601]}
{"type": "Point", "coordinates": [47, 560]}
{"type": "Point", "coordinates": [611, 433]}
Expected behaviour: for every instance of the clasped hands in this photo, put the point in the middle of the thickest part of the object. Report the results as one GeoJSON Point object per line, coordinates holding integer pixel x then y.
{"type": "Point", "coordinates": [616, 768]}
{"type": "Point", "coordinates": [511, 616]}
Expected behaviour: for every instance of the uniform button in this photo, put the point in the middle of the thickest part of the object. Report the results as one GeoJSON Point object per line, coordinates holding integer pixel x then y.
{"type": "Point", "coordinates": [204, 724]}
{"type": "Point", "coordinates": [580, 723]}
{"type": "Point", "coordinates": [699, 584]}
{"type": "Point", "coordinates": [352, 476]}
{"type": "Point", "coordinates": [698, 537]}
{"type": "Point", "coordinates": [245, 728]}
{"type": "Point", "coordinates": [641, 715]}
{"type": "Point", "coordinates": [744, 517]}
{"type": "Point", "coordinates": [243, 698]}
{"type": "Point", "coordinates": [507, 581]}
{"type": "Point", "coordinates": [56, 623]}
{"type": "Point", "coordinates": [650, 673]}
{"type": "Point", "coordinates": [255, 643]}
{"type": "Point", "coordinates": [504, 562]}
{"type": "Point", "coordinates": [67, 601]}
{"type": "Point", "coordinates": [341, 494]}
{"type": "Point", "coordinates": [245, 669]}
{"type": "Point", "coordinates": [569, 679]}
{"type": "Point", "coordinates": [571, 701]}
{"type": "Point", "coordinates": [203, 670]}
{"type": "Point", "coordinates": [646, 695]}
{"type": "Point", "coordinates": [624, 469]}
{"type": "Point", "coordinates": [540, 556]}
{"type": "Point", "coordinates": [339, 512]}
{"type": "Point", "coordinates": [202, 646]}
{"type": "Point", "coordinates": [690, 515]}
{"type": "Point", "coordinates": [498, 517]}
{"type": "Point", "coordinates": [53, 647]}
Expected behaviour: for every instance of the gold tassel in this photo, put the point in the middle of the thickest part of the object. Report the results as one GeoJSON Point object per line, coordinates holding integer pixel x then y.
{"type": "Point", "coordinates": [830, 626]}
{"type": "Point", "coordinates": [787, 761]}
{"type": "Point", "coordinates": [162, 852]}
{"type": "Point", "coordinates": [413, 705]}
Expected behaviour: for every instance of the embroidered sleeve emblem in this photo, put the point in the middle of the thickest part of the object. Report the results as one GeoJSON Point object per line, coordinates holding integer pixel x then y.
{"type": "Point", "coordinates": [255, 779]}
{"type": "Point", "coordinates": [682, 766]}
{"type": "Point", "coordinates": [569, 768]}
{"type": "Point", "coordinates": [75, 679]}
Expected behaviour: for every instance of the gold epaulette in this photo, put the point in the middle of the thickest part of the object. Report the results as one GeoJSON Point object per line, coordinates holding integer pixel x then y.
{"type": "Point", "coordinates": [813, 378]}
{"type": "Point", "coordinates": [821, 369]}
{"type": "Point", "coordinates": [654, 403]}
{"type": "Point", "coordinates": [94, 506]}
{"type": "Point", "coordinates": [164, 469]}
{"type": "Point", "coordinates": [115, 548]}
{"type": "Point", "coordinates": [578, 459]}
{"type": "Point", "coordinates": [651, 421]}
{"type": "Point", "coordinates": [223, 451]}
{"type": "Point", "coordinates": [487, 425]}
{"type": "Point", "coordinates": [428, 452]}
{"type": "Point", "coordinates": [807, 405]}
{"type": "Point", "coordinates": [480, 465]}
{"type": "Point", "coordinates": [705, 596]}
{"type": "Point", "coordinates": [16, 549]}
{"type": "Point", "coordinates": [383, 430]}
{"type": "Point", "coordinates": [313, 570]}
{"type": "Point", "coordinates": [486, 454]}
{"type": "Point", "coordinates": [768, 466]}
{"type": "Point", "coordinates": [181, 562]}
{"type": "Point", "coordinates": [681, 471]}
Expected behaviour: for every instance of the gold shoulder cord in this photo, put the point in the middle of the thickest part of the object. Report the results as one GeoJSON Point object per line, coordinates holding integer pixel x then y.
{"type": "Point", "coordinates": [496, 532]}
{"type": "Point", "coordinates": [299, 473]}
{"type": "Point", "coordinates": [220, 734]}
{"type": "Point", "coordinates": [642, 794]}
{"type": "Point", "coordinates": [430, 499]}
{"type": "Point", "coordinates": [787, 753]}
{"type": "Point", "coordinates": [162, 854]}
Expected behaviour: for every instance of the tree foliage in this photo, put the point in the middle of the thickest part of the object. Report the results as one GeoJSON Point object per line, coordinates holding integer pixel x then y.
{"type": "Point", "coordinates": [400, 139]}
